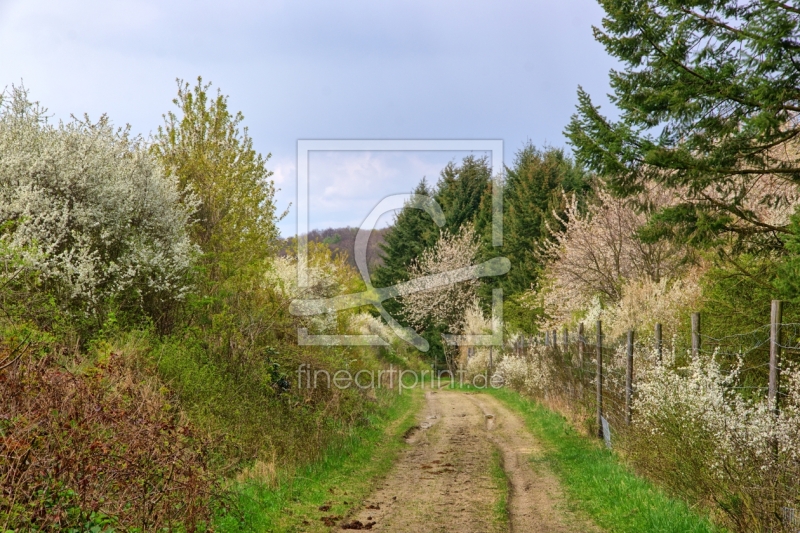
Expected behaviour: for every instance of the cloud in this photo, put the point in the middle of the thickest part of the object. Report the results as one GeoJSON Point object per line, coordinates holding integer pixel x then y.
{"type": "Point", "coordinates": [346, 186]}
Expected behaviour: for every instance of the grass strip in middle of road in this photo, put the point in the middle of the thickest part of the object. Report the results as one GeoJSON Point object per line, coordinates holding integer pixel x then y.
{"type": "Point", "coordinates": [502, 485]}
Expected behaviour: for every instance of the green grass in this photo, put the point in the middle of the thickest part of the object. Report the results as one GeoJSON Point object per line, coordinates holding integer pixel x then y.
{"type": "Point", "coordinates": [342, 479]}
{"type": "Point", "coordinates": [501, 482]}
{"type": "Point", "coordinates": [597, 483]}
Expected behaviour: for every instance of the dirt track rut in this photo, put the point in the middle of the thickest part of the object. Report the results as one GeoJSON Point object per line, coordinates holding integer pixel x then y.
{"type": "Point", "coordinates": [443, 482]}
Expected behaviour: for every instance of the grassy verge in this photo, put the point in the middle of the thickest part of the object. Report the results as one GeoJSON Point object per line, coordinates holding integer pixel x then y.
{"type": "Point", "coordinates": [597, 483]}
{"type": "Point", "coordinates": [338, 483]}
{"type": "Point", "coordinates": [502, 484]}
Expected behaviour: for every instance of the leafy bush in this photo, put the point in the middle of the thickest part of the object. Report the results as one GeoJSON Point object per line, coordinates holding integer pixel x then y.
{"type": "Point", "coordinates": [91, 210]}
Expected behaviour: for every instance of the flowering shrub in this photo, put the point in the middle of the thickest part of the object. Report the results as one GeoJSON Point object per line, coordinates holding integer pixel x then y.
{"type": "Point", "coordinates": [477, 362]}
{"type": "Point", "coordinates": [699, 435]}
{"type": "Point", "coordinates": [645, 302]}
{"type": "Point", "coordinates": [446, 304]}
{"type": "Point", "coordinates": [514, 371]}
{"type": "Point", "coordinates": [696, 427]}
{"type": "Point", "coordinates": [324, 278]}
{"type": "Point", "coordinates": [699, 427]}
{"type": "Point", "coordinates": [91, 208]}
{"type": "Point", "coordinates": [327, 276]}
{"type": "Point", "coordinates": [598, 251]}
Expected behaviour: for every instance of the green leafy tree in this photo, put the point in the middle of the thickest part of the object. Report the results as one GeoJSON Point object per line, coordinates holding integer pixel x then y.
{"type": "Point", "coordinates": [214, 160]}
{"type": "Point", "coordinates": [708, 96]}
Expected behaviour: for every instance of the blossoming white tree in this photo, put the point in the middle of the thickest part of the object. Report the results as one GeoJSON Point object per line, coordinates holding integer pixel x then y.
{"type": "Point", "coordinates": [447, 304]}
{"type": "Point", "coordinates": [91, 210]}
{"type": "Point", "coordinates": [598, 252]}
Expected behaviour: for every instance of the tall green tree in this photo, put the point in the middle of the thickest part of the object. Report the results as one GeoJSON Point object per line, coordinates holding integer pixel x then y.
{"type": "Point", "coordinates": [213, 157]}
{"type": "Point", "coordinates": [533, 194]}
{"type": "Point", "coordinates": [413, 231]}
{"type": "Point", "coordinates": [708, 96]}
{"type": "Point", "coordinates": [460, 190]}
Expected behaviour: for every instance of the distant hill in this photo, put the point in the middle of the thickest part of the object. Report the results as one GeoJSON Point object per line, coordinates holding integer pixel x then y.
{"type": "Point", "coordinates": [343, 240]}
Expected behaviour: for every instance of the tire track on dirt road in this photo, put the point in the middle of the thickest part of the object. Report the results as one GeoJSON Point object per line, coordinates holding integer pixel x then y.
{"type": "Point", "coordinates": [443, 482]}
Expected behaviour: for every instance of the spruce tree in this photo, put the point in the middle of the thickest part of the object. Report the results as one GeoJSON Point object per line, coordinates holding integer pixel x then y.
{"type": "Point", "coordinates": [460, 190]}
{"type": "Point", "coordinates": [708, 96]}
{"type": "Point", "coordinates": [413, 231]}
{"type": "Point", "coordinates": [533, 194]}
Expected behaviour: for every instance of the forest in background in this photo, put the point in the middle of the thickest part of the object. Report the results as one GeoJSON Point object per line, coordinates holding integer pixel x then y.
{"type": "Point", "coordinates": [342, 241]}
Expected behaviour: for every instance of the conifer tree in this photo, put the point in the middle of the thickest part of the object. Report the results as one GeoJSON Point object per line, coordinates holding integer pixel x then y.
{"type": "Point", "coordinates": [708, 95]}
{"type": "Point", "coordinates": [460, 190]}
{"type": "Point", "coordinates": [533, 191]}
{"type": "Point", "coordinates": [413, 231]}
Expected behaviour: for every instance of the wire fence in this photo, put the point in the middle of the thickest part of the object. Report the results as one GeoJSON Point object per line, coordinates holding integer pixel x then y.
{"type": "Point", "coordinates": [597, 377]}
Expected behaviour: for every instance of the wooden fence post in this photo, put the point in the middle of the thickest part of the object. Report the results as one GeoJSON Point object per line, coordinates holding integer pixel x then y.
{"type": "Point", "coordinates": [566, 338]}
{"type": "Point", "coordinates": [659, 344]}
{"type": "Point", "coordinates": [629, 379]}
{"type": "Point", "coordinates": [776, 316]}
{"type": "Point", "coordinates": [695, 334]}
{"type": "Point", "coordinates": [581, 344]}
{"type": "Point", "coordinates": [599, 355]}
{"type": "Point", "coordinates": [547, 338]}
{"type": "Point", "coordinates": [554, 337]}
{"type": "Point", "coordinates": [490, 363]}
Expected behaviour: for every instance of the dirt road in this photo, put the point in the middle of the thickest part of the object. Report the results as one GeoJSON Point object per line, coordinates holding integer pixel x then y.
{"type": "Point", "coordinates": [444, 482]}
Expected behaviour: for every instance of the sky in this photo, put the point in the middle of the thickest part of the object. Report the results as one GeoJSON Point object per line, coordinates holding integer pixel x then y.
{"type": "Point", "coordinates": [320, 70]}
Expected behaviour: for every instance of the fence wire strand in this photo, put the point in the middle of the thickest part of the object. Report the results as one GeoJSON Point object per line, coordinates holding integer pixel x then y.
{"type": "Point", "coordinates": [744, 355]}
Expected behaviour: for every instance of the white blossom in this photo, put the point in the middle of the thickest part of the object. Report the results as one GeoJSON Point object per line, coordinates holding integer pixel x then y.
{"type": "Point", "coordinates": [92, 207]}
{"type": "Point", "coordinates": [447, 304]}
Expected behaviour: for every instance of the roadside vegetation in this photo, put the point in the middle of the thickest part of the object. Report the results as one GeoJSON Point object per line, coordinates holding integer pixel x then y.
{"type": "Point", "coordinates": [597, 483]}
{"type": "Point", "coordinates": [148, 357]}
{"type": "Point", "coordinates": [315, 496]}
{"type": "Point", "coordinates": [686, 203]}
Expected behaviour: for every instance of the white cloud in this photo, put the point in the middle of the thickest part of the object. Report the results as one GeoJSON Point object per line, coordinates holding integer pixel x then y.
{"type": "Point", "coordinates": [346, 186]}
